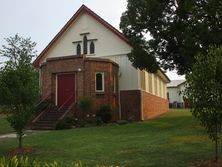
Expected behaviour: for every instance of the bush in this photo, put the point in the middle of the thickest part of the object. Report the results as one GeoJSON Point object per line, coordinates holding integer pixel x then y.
{"type": "Point", "coordinates": [99, 121]}
{"type": "Point", "coordinates": [81, 122]}
{"type": "Point", "coordinates": [65, 124]}
{"type": "Point", "coordinates": [86, 103]}
{"type": "Point", "coordinates": [105, 113]}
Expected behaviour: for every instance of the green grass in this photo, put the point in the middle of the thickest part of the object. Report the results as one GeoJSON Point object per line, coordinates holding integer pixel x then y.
{"type": "Point", "coordinates": [175, 139]}
{"type": "Point", "coordinates": [4, 125]}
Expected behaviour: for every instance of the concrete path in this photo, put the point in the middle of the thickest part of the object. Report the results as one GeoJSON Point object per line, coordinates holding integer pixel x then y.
{"type": "Point", "coordinates": [27, 133]}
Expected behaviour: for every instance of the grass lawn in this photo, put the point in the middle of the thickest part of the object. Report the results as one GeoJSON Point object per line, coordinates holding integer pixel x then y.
{"type": "Point", "coordinates": [175, 139]}
{"type": "Point", "coordinates": [4, 125]}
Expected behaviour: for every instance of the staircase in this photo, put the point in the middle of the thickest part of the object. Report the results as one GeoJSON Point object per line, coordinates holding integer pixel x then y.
{"type": "Point", "coordinates": [48, 119]}
{"type": "Point", "coordinates": [50, 115]}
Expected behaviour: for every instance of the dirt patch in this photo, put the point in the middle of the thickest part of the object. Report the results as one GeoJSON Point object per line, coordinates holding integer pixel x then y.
{"type": "Point", "coordinates": [21, 151]}
{"type": "Point", "coordinates": [189, 139]}
{"type": "Point", "coordinates": [209, 163]}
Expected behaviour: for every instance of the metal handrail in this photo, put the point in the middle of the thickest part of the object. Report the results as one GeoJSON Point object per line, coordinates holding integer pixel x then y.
{"type": "Point", "coordinates": [41, 113]}
{"type": "Point", "coordinates": [65, 102]}
{"type": "Point", "coordinates": [67, 111]}
{"type": "Point", "coordinates": [69, 108]}
{"type": "Point", "coordinates": [42, 100]}
{"type": "Point", "coordinates": [46, 110]}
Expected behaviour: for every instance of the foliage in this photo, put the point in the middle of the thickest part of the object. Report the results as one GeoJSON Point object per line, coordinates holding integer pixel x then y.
{"type": "Point", "coordinates": [18, 82]}
{"type": "Point", "coordinates": [86, 103]}
{"type": "Point", "coordinates": [99, 121]}
{"type": "Point", "coordinates": [171, 31]}
{"type": "Point", "coordinates": [65, 124]}
{"type": "Point", "coordinates": [204, 91]}
{"type": "Point", "coordinates": [105, 113]}
{"type": "Point", "coordinates": [81, 122]}
{"type": "Point", "coordinates": [26, 162]}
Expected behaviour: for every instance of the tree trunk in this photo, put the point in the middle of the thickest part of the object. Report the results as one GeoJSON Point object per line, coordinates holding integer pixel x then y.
{"type": "Point", "coordinates": [216, 143]}
{"type": "Point", "coordinates": [216, 150]}
{"type": "Point", "coordinates": [20, 140]}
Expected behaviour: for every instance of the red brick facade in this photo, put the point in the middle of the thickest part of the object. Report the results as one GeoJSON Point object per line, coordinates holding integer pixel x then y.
{"type": "Point", "coordinates": [141, 105]}
{"type": "Point", "coordinates": [85, 70]}
{"type": "Point", "coordinates": [130, 101]}
{"type": "Point", "coordinates": [153, 106]}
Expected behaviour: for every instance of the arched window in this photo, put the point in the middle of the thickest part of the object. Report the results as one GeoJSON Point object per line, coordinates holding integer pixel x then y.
{"type": "Point", "coordinates": [99, 82]}
{"type": "Point", "coordinates": [85, 45]}
{"type": "Point", "coordinates": [78, 49]}
{"type": "Point", "coordinates": [92, 48]}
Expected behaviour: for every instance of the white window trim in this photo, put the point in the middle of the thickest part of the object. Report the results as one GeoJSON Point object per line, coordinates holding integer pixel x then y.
{"type": "Point", "coordinates": [103, 80]}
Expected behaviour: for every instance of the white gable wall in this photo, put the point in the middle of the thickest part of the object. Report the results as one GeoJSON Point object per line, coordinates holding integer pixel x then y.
{"type": "Point", "coordinates": [108, 45]}
{"type": "Point", "coordinates": [174, 94]}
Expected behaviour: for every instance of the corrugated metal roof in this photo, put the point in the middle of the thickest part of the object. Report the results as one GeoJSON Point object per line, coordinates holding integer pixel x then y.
{"type": "Point", "coordinates": [175, 83]}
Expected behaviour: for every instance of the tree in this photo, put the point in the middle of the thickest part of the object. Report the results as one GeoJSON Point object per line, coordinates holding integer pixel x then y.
{"type": "Point", "coordinates": [178, 29]}
{"type": "Point", "coordinates": [18, 82]}
{"type": "Point", "coordinates": [204, 91]}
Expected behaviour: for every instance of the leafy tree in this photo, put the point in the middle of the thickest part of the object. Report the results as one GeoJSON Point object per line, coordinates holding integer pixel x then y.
{"type": "Point", "coordinates": [204, 91]}
{"type": "Point", "coordinates": [18, 82]}
{"type": "Point", "coordinates": [179, 29]}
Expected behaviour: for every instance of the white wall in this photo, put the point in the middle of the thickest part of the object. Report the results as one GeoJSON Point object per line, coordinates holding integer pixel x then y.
{"type": "Point", "coordinates": [176, 93]}
{"type": "Point", "coordinates": [107, 44]}
{"type": "Point", "coordinates": [128, 75]}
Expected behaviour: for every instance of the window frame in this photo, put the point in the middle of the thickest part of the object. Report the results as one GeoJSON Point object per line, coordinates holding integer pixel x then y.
{"type": "Point", "coordinates": [92, 48]}
{"type": "Point", "coordinates": [103, 82]}
{"type": "Point", "coordinates": [78, 48]}
{"type": "Point", "coordinates": [85, 45]}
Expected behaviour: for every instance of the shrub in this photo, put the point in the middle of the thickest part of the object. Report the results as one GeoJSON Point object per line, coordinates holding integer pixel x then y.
{"type": "Point", "coordinates": [81, 122]}
{"type": "Point", "coordinates": [86, 103]}
{"type": "Point", "coordinates": [105, 113]}
{"type": "Point", "coordinates": [99, 121]}
{"type": "Point", "coordinates": [65, 124]}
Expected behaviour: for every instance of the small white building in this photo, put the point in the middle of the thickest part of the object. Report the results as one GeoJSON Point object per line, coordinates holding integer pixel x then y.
{"type": "Point", "coordinates": [175, 94]}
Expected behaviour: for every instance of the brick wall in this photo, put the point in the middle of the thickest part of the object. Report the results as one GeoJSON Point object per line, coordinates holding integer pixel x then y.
{"type": "Point", "coordinates": [141, 105]}
{"type": "Point", "coordinates": [85, 79]}
{"type": "Point", "coordinates": [130, 101]}
{"type": "Point", "coordinates": [153, 106]}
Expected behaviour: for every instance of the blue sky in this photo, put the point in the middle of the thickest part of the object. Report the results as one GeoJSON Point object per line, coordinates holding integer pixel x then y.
{"type": "Point", "coordinates": [42, 19]}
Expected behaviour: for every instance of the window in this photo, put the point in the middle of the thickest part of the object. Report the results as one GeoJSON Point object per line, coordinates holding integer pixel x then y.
{"type": "Point", "coordinates": [78, 49]}
{"type": "Point", "coordinates": [92, 48]}
{"type": "Point", "coordinates": [85, 45]}
{"type": "Point", "coordinates": [99, 82]}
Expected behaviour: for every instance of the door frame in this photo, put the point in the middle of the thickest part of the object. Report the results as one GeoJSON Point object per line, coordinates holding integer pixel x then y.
{"type": "Point", "coordinates": [56, 86]}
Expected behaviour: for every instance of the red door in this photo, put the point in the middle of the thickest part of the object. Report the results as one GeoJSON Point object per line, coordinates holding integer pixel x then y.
{"type": "Point", "coordinates": [66, 89]}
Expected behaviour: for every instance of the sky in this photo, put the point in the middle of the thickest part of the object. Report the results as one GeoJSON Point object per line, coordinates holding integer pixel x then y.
{"type": "Point", "coordinates": [42, 19]}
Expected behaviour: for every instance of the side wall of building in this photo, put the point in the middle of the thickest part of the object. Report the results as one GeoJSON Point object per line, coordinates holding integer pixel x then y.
{"type": "Point", "coordinates": [153, 106]}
